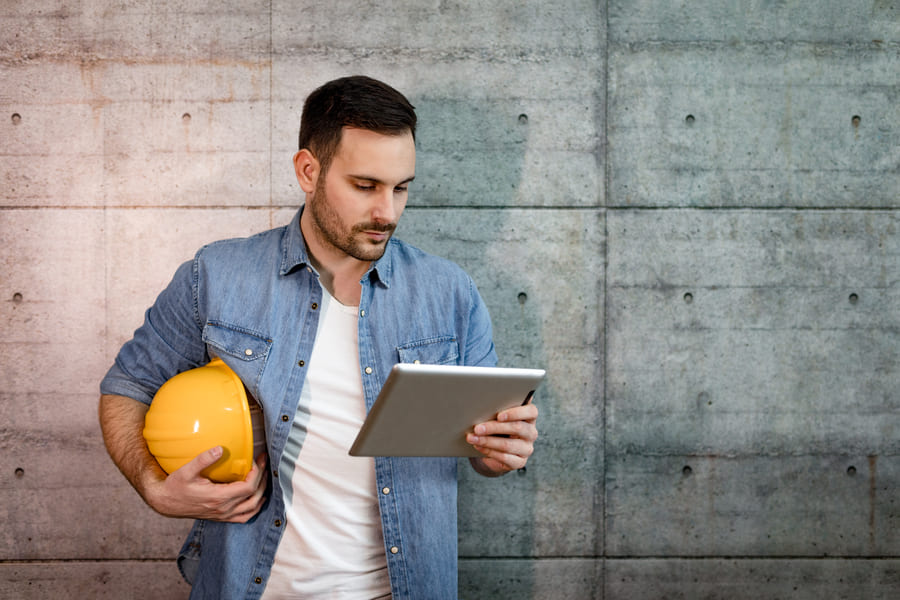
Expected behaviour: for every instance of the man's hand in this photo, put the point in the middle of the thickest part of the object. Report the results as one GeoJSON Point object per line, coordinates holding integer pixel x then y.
{"type": "Point", "coordinates": [507, 442]}
{"type": "Point", "coordinates": [187, 493]}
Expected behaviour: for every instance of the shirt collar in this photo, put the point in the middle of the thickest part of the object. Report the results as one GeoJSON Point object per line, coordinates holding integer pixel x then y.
{"type": "Point", "coordinates": [294, 254]}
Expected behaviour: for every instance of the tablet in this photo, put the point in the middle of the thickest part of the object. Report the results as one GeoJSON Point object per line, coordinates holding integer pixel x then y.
{"type": "Point", "coordinates": [427, 410]}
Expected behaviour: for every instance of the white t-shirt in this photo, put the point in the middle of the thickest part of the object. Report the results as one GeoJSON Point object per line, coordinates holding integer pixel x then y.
{"type": "Point", "coordinates": [333, 546]}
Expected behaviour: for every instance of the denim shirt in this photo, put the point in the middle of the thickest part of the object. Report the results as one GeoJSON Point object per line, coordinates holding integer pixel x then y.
{"type": "Point", "coordinates": [254, 303]}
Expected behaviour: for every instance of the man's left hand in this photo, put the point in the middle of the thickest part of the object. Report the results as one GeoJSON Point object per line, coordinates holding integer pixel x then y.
{"type": "Point", "coordinates": [505, 443]}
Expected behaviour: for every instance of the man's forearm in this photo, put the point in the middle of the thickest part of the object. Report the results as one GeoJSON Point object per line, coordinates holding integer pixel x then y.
{"type": "Point", "coordinates": [122, 423]}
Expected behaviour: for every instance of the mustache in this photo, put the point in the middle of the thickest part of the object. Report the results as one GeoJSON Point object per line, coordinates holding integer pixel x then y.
{"type": "Point", "coordinates": [379, 227]}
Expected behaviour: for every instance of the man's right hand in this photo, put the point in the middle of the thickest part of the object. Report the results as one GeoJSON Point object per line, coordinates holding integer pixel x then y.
{"type": "Point", "coordinates": [188, 493]}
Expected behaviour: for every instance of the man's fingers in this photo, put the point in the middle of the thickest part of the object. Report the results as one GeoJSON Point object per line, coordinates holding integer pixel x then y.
{"type": "Point", "coordinates": [496, 445]}
{"type": "Point", "coordinates": [258, 472]}
{"type": "Point", "coordinates": [244, 511]}
{"type": "Point", "coordinates": [507, 442]}
{"type": "Point", "coordinates": [498, 461]}
{"type": "Point", "coordinates": [528, 412]}
{"type": "Point", "coordinates": [519, 429]}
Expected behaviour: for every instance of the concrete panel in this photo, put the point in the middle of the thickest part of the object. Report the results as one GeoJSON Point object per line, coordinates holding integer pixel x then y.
{"type": "Point", "coordinates": [752, 21]}
{"type": "Point", "coordinates": [762, 126]}
{"type": "Point", "coordinates": [546, 304]}
{"type": "Point", "coordinates": [100, 580]}
{"type": "Point", "coordinates": [746, 332]}
{"type": "Point", "coordinates": [204, 155]}
{"type": "Point", "coordinates": [752, 358]}
{"type": "Point", "coordinates": [123, 29]}
{"type": "Point", "coordinates": [200, 137]}
{"type": "Point", "coordinates": [48, 122]}
{"type": "Point", "coordinates": [491, 579]}
{"type": "Point", "coordinates": [734, 389]}
{"type": "Point", "coordinates": [52, 299]}
{"type": "Point", "coordinates": [168, 150]}
{"type": "Point", "coordinates": [739, 579]}
{"type": "Point", "coordinates": [754, 506]}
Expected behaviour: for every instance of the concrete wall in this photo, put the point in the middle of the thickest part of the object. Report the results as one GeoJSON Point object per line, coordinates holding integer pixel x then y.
{"type": "Point", "coordinates": [685, 211]}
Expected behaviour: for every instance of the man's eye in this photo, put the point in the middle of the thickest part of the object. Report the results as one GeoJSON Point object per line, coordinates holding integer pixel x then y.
{"type": "Point", "coordinates": [364, 187]}
{"type": "Point", "coordinates": [401, 190]}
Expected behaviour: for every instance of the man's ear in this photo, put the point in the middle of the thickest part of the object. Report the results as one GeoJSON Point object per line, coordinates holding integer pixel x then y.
{"type": "Point", "coordinates": [307, 169]}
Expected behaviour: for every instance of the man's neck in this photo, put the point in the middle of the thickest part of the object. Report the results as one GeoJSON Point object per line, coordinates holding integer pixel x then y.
{"type": "Point", "coordinates": [339, 274]}
{"type": "Point", "coordinates": [342, 284]}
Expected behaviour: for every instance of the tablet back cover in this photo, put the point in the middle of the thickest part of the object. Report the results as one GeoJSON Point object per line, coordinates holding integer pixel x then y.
{"type": "Point", "coordinates": [427, 410]}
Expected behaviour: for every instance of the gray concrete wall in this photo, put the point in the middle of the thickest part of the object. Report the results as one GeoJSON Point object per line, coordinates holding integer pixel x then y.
{"type": "Point", "coordinates": [686, 211]}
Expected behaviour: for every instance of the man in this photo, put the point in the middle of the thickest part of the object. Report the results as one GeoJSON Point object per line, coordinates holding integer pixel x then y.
{"type": "Point", "coordinates": [312, 317]}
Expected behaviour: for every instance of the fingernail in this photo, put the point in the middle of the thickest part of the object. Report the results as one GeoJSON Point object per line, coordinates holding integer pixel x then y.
{"type": "Point", "coordinates": [479, 429]}
{"type": "Point", "coordinates": [473, 439]}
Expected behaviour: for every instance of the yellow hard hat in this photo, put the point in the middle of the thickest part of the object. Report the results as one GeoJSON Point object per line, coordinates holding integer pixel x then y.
{"type": "Point", "coordinates": [199, 409]}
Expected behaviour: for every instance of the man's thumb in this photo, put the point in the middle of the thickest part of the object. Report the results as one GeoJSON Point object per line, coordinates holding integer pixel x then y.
{"type": "Point", "coordinates": [205, 459]}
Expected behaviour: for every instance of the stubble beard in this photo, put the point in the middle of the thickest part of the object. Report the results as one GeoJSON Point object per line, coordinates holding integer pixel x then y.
{"type": "Point", "coordinates": [335, 232]}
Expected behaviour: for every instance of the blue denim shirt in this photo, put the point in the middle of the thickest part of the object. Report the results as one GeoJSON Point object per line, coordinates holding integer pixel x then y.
{"type": "Point", "coordinates": [253, 302]}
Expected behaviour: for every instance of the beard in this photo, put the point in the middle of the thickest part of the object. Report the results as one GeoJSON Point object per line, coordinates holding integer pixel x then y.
{"type": "Point", "coordinates": [348, 239]}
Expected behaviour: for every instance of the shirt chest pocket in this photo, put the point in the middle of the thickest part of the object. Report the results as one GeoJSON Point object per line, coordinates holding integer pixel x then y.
{"type": "Point", "coordinates": [243, 350]}
{"type": "Point", "coordinates": [440, 350]}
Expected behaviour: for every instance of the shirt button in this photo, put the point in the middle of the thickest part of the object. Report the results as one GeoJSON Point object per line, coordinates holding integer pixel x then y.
{"type": "Point", "coordinates": [277, 522]}
{"type": "Point", "coordinates": [386, 490]}
{"type": "Point", "coordinates": [394, 549]}
{"type": "Point", "coordinates": [258, 580]}
{"type": "Point", "coordinates": [417, 362]}
{"type": "Point", "coordinates": [285, 418]}
{"type": "Point", "coordinates": [368, 370]}
{"type": "Point", "coordinates": [362, 313]}
{"type": "Point", "coordinates": [315, 306]}
{"type": "Point", "coordinates": [248, 352]}
{"type": "Point", "coordinates": [301, 363]}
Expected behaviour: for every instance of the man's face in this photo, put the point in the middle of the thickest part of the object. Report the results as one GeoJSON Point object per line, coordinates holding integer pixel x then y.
{"type": "Point", "coordinates": [356, 205]}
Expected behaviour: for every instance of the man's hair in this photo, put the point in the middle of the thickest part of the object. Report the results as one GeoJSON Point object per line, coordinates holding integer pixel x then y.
{"type": "Point", "coordinates": [357, 101]}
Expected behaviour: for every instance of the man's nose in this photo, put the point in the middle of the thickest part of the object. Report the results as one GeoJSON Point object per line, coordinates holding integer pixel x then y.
{"type": "Point", "coordinates": [384, 210]}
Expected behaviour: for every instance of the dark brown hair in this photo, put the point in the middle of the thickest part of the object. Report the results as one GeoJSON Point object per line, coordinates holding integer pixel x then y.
{"type": "Point", "coordinates": [356, 101]}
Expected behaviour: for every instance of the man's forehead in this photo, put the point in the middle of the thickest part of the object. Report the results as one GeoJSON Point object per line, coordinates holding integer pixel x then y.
{"type": "Point", "coordinates": [380, 151]}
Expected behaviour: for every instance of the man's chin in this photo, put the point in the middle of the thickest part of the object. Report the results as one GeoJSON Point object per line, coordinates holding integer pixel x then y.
{"type": "Point", "coordinates": [371, 251]}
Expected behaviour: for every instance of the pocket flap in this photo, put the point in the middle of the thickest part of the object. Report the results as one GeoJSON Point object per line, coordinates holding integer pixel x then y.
{"type": "Point", "coordinates": [236, 341]}
{"type": "Point", "coordinates": [441, 350]}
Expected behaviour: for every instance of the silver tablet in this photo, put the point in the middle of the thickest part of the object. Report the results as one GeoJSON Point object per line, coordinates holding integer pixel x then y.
{"type": "Point", "coordinates": [427, 410]}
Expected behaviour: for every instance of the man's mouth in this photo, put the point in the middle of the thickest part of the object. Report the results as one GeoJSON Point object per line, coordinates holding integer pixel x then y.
{"type": "Point", "coordinates": [376, 233]}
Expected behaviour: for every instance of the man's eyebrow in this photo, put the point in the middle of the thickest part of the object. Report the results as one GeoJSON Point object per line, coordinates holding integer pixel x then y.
{"type": "Point", "coordinates": [380, 181]}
